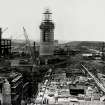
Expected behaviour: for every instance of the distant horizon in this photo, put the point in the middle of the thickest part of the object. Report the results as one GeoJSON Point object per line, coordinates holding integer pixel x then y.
{"type": "Point", "coordinates": [63, 41]}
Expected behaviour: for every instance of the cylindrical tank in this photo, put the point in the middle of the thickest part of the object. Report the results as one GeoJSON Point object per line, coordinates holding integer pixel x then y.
{"type": "Point", "coordinates": [6, 93]}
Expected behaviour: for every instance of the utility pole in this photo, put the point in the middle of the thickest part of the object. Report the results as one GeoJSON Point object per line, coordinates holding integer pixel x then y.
{"type": "Point", "coordinates": [0, 41]}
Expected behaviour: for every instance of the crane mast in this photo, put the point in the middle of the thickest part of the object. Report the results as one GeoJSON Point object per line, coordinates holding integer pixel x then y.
{"type": "Point", "coordinates": [29, 44]}
{"type": "Point", "coordinates": [32, 58]}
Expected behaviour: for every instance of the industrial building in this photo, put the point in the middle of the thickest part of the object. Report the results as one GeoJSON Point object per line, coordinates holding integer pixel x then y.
{"type": "Point", "coordinates": [47, 35]}
{"type": "Point", "coordinates": [12, 88]}
{"type": "Point", "coordinates": [5, 45]}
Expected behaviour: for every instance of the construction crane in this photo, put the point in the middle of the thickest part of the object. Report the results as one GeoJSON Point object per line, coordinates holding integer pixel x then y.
{"type": "Point", "coordinates": [32, 58]}
{"type": "Point", "coordinates": [95, 79]}
{"type": "Point", "coordinates": [4, 30]}
{"type": "Point", "coordinates": [29, 46]}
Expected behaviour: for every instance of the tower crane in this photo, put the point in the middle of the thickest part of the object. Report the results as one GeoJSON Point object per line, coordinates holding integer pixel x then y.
{"type": "Point", "coordinates": [95, 79]}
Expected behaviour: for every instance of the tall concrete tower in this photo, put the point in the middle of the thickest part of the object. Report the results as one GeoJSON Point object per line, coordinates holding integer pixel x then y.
{"type": "Point", "coordinates": [47, 35]}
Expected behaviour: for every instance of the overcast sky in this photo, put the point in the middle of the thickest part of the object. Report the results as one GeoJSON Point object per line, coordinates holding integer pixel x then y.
{"type": "Point", "coordinates": [74, 19]}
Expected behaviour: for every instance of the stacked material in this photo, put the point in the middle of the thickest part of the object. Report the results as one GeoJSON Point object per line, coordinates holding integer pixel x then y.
{"type": "Point", "coordinates": [57, 91]}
